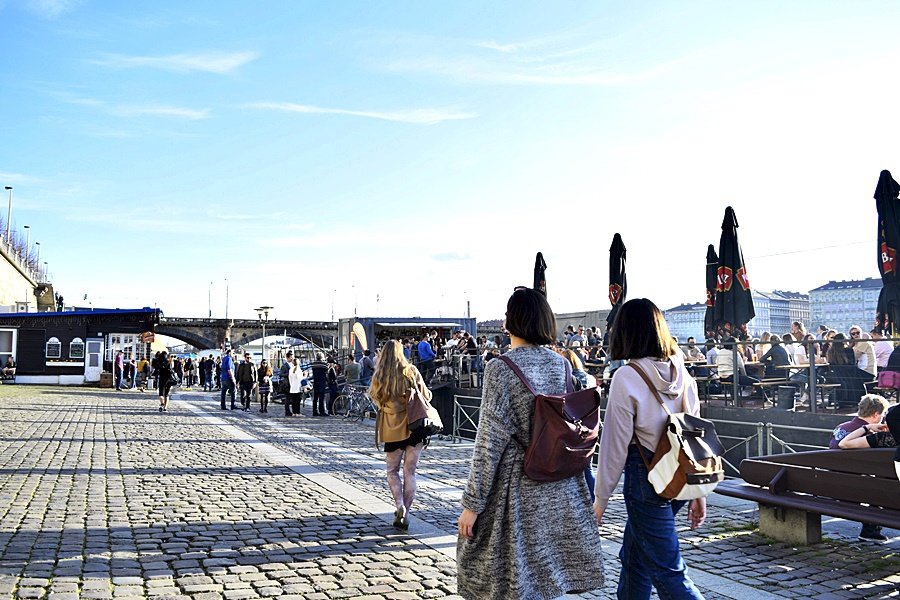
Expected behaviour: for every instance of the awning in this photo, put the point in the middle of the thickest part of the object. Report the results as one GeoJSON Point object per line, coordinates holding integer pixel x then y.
{"type": "Point", "coordinates": [422, 324]}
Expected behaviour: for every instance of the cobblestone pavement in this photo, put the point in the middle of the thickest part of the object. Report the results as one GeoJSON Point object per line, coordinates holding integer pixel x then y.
{"type": "Point", "coordinates": [101, 496]}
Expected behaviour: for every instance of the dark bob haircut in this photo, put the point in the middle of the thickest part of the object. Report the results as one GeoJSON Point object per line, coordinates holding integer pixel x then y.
{"type": "Point", "coordinates": [529, 317]}
{"type": "Point", "coordinates": [639, 331]}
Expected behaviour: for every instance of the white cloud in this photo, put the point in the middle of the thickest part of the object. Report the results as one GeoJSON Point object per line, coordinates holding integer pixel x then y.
{"type": "Point", "coordinates": [416, 116]}
{"type": "Point", "coordinates": [559, 73]}
{"type": "Point", "coordinates": [137, 110]}
{"type": "Point", "coordinates": [210, 62]}
{"type": "Point", "coordinates": [51, 9]}
{"type": "Point", "coordinates": [492, 45]}
{"type": "Point", "coordinates": [15, 178]}
{"type": "Point", "coordinates": [161, 111]}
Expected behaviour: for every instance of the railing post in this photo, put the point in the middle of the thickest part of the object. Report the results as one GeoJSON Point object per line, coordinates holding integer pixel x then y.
{"type": "Point", "coordinates": [812, 379]}
{"type": "Point", "coordinates": [768, 439]}
{"type": "Point", "coordinates": [735, 375]}
{"type": "Point", "coordinates": [760, 432]}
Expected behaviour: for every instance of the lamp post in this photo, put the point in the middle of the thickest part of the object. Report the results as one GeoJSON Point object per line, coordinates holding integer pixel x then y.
{"type": "Point", "coordinates": [8, 212]}
{"type": "Point", "coordinates": [27, 229]}
{"type": "Point", "coordinates": [263, 313]}
{"type": "Point", "coordinates": [46, 271]}
{"type": "Point", "coordinates": [226, 298]}
{"type": "Point", "coordinates": [37, 247]}
{"type": "Point", "coordinates": [210, 300]}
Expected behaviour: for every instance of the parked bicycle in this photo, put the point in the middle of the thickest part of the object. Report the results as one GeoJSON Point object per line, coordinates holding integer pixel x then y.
{"type": "Point", "coordinates": [354, 403]}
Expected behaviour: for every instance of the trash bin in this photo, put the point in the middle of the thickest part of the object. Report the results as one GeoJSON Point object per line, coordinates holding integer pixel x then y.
{"type": "Point", "coordinates": [784, 399]}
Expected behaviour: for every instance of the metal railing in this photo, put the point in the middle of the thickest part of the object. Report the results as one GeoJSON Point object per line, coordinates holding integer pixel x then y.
{"type": "Point", "coordinates": [465, 410]}
{"type": "Point", "coordinates": [787, 447]}
{"type": "Point", "coordinates": [763, 438]}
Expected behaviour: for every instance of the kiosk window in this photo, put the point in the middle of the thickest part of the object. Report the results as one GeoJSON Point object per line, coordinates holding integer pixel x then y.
{"type": "Point", "coordinates": [54, 348]}
{"type": "Point", "coordinates": [76, 348]}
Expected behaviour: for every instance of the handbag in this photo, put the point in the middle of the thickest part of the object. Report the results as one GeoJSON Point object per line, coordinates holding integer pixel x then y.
{"type": "Point", "coordinates": [687, 463]}
{"type": "Point", "coordinates": [564, 430]}
{"type": "Point", "coordinates": [420, 414]}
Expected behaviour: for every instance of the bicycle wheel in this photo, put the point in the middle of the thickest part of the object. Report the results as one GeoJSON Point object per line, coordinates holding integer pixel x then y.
{"type": "Point", "coordinates": [341, 405]}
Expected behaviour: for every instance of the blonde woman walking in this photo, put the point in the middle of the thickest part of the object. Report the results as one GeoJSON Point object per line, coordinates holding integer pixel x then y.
{"type": "Point", "coordinates": [392, 383]}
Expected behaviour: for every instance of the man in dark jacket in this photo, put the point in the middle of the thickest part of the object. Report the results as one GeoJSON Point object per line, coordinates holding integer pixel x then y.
{"type": "Point", "coordinates": [246, 377]}
{"type": "Point", "coordinates": [320, 382]}
{"type": "Point", "coordinates": [284, 381]}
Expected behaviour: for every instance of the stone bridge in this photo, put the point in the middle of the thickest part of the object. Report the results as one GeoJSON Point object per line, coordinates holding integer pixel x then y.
{"type": "Point", "coordinates": [210, 334]}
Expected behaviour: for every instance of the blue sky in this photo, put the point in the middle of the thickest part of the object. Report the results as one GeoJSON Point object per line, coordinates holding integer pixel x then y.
{"type": "Point", "coordinates": [404, 158]}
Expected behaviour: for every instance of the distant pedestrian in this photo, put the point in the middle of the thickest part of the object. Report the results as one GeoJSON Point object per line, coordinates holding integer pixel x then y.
{"type": "Point", "coordinates": [284, 381]}
{"type": "Point", "coordinates": [634, 423]}
{"type": "Point", "coordinates": [390, 390]}
{"type": "Point", "coordinates": [228, 380]}
{"type": "Point", "coordinates": [218, 371]}
{"type": "Point", "coordinates": [332, 378]}
{"type": "Point", "coordinates": [295, 377]}
{"type": "Point", "coordinates": [366, 368]}
{"type": "Point", "coordinates": [246, 378]}
{"type": "Point", "coordinates": [264, 377]}
{"type": "Point", "coordinates": [520, 538]}
{"type": "Point", "coordinates": [351, 370]}
{"type": "Point", "coordinates": [320, 383]}
{"type": "Point", "coordinates": [189, 371]}
{"type": "Point", "coordinates": [119, 369]}
{"type": "Point", "coordinates": [167, 381]}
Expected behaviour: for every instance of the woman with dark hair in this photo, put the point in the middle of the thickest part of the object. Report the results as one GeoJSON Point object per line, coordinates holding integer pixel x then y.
{"type": "Point", "coordinates": [520, 538]}
{"type": "Point", "coordinates": [392, 382]}
{"type": "Point", "coordinates": [634, 424]}
{"type": "Point", "coordinates": [167, 379]}
{"type": "Point", "coordinates": [264, 377]}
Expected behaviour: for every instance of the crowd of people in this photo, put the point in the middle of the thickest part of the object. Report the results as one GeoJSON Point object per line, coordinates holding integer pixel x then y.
{"type": "Point", "coordinates": [524, 538]}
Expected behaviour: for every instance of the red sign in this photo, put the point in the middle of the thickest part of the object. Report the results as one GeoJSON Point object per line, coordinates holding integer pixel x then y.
{"type": "Point", "coordinates": [888, 259]}
{"type": "Point", "coordinates": [615, 293]}
{"type": "Point", "coordinates": [724, 279]}
{"type": "Point", "coordinates": [147, 337]}
{"type": "Point", "coordinates": [743, 279]}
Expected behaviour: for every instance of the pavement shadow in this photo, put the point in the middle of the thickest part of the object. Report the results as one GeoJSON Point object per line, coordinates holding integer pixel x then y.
{"type": "Point", "coordinates": [184, 548]}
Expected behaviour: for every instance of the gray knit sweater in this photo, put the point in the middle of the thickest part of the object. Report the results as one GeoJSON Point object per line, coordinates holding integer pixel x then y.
{"type": "Point", "coordinates": [532, 539]}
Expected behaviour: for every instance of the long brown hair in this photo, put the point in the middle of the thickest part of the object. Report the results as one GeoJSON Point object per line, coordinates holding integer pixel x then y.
{"type": "Point", "coordinates": [394, 375]}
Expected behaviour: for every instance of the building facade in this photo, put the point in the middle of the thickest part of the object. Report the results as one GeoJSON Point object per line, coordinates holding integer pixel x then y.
{"type": "Point", "coordinates": [775, 311]}
{"type": "Point", "coordinates": [840, 304]}
{"type": "Point", "coordinates": [686, 320]}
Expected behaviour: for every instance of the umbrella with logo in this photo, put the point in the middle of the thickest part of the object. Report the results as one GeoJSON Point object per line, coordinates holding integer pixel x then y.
{"type": "Point", "coordinates": [618, 285]}
{"type": "Point", "coordinates": [888, 207]}
{"type": "Point", "coordinates": [540, 277]}
{"type": "Point", "coordinates": [734, 302]}
{"type": "Point", "coordinates": [712, 266]}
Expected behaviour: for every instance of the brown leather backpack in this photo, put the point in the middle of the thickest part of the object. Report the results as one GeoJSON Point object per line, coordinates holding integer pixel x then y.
{"type": "Point", "coordinates": [564, 430]}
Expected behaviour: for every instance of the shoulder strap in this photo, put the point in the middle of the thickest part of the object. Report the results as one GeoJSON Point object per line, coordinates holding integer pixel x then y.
{"type": "Point", "coordinates": [650, 385]}
{"type": "Point", "coordinates": [515, 368]}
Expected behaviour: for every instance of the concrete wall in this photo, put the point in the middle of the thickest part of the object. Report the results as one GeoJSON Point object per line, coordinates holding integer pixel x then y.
{"type": "Point", "coordinates": [15, 286]}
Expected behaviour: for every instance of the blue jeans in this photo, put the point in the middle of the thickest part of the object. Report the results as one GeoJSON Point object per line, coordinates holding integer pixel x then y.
{"type": "Point", "coordinates": [650, 554]}
{"type": "Point", "coordinates": [227, 388]}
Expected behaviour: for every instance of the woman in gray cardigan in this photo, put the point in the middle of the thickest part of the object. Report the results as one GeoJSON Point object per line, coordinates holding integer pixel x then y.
{"type": "Point", "coordinates": [520, 538]}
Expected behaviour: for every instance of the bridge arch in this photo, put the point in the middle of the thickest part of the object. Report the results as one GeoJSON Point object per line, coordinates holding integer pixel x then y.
{"type": "Point", "coordinates": [195, 340]}
{"type": "Point", "coordinates": [323, 341]}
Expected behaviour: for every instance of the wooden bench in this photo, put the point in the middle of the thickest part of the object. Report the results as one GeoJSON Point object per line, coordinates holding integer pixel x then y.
{"type": "Point", "coordinates": [795, 490]}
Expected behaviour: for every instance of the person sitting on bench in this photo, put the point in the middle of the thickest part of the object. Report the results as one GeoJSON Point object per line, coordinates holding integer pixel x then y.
{"type": "Point", "coordinates": [867, 431]}
{"type": "Point", "coordinates": [9, 371]}
{"type": "Point", "coordinates": [775, 356]}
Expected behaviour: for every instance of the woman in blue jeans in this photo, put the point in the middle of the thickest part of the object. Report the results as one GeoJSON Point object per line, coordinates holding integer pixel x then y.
{"type": "Point", "coordinates": [634, 423]}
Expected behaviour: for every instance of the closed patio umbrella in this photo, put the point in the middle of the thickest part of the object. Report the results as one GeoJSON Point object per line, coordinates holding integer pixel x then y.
{"type": "Point", "coordinates": [712, 266]}
{"type": "Point", "coordinates": [618, 285]}
{"type": "Point", "coordinates": [540, 277]}
{"type": "Point", "coordinates": [734, 302]}
{"type": "Point", "coordinates": [888, 207]}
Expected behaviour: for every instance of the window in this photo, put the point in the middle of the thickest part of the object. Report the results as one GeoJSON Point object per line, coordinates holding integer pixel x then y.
{"type": "Point", "coordinates": [76, 349]}
{"type": "Point", "coordinates": [7, 345]}
{"type": "Point", "coordinates": [54, 348]}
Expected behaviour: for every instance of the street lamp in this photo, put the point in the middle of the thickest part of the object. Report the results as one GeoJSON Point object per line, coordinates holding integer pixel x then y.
{"type": "Point", "coordinates": [8, 212]}
{"type": "Point", "coordinates": [37, 246]}
{"type": "Point", "coordinates": [27, 229]}
{"type": "Point", "coordinates": [210, 300]}
{"type": "Point", "coordinates": [263, 313]}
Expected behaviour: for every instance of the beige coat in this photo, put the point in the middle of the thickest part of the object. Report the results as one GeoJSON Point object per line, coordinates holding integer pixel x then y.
{"type": "Point", "coordinates": [392, 425]}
